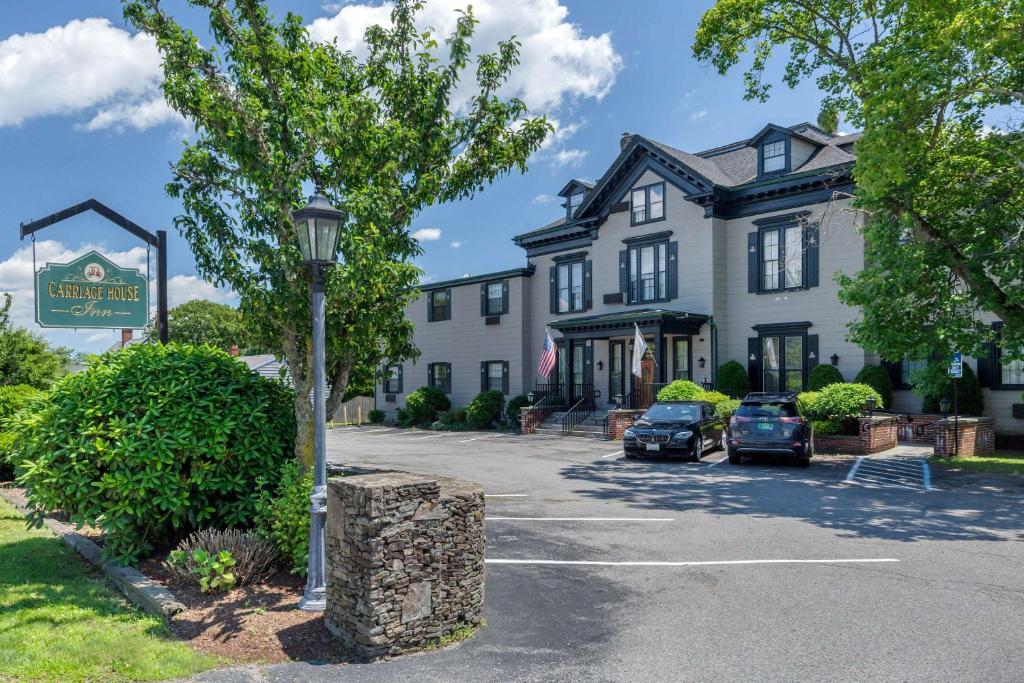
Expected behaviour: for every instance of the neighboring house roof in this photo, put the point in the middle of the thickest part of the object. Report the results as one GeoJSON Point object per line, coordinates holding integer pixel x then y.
{"type": "Point", "coordinates": [267, 365]}
{"type": "Point", "coordinates": [131, 342]}
{"type": "Point", "coordinates": [472, 279]}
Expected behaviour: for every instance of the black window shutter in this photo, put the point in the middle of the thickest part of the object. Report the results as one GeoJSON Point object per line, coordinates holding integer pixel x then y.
{"type": "Point", "coordinates": [483, 376]}
{"type": "Point", "coordinates": [430, 307]}
{"type": "Point", "coordinates": [504, 296]}
{"type": "Point", "coordinates": [554, 289]}
{"type": "Point", "coordinates": [811, 240]}
{"type": "Point", "coordinates": [401, 379]}
{"type": "Point", "coordinates": [673, 270]}
{"type": "Point", "coordinates": [448, 304]}
{"type": "Point", "coordinates": [893, 368]}
{"type": "Point", "coordinates": [752, 261]}
{"type": "Point", "coordinates": [430, 374]}
{"type": "Point", "coordinates": [483, 300]}
{"type": "Point", "coordinates": [448, 378]}
{"type": "Point", "coordinates": [812, 353]}
{"type": "Point", "coordinates": [504, 377]}
{"type": "Point", "coordinates": [588, 285]}
{"type": "Point", "coordinates": [986, 366]}
{"type": "Point", "coordinates": [624, 274]}
{"type": "Point", "coordinates": [754, 362]}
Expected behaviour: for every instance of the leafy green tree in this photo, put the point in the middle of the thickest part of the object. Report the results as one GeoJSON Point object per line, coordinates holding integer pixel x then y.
{"type": "Point", "coordinates": [27, 358]}
{"type": "Point", "coordinates": [204, 322]}
{"type": "Point", "coordinates": [277, 115]}
{"type": "Point", "coordinates": [939, 189]}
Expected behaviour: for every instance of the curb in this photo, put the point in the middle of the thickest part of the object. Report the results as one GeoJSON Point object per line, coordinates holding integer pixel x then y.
{"type": "Point", "coordinates": [140, 590]}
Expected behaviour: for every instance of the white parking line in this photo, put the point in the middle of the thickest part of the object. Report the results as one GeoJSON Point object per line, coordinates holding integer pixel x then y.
{"type": "Point", "coordinates": [581, 519]}
{"type": "Point", "coordinates": [611, 455]}
{"type": "Point", "coordinates": [853, 470]}
{"type": "Point", "coordinates": [606, 563]}
{"type": "Point", "coordinates": [421, 438]}
{"type": "Point", "coordinates": [505, 495]}
{"type": "Point", "coordinates": [379, 431]}
{"type": "Point", "coordinates": [488, 436]}
{"type": "Point", "coordinates": [902, 473]}
{"type": "Point", "coordinates": [724, 458]}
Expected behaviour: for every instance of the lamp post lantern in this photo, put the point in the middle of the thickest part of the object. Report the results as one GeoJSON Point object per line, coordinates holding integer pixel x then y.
{"type": "Point", "coordinates": [316, 228]}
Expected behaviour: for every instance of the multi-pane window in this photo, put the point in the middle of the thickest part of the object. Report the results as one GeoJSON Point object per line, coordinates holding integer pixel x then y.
{"type": "Point", "coordinates": [647, 203]}
{"type": "Point", "coordinates": [908, 368]}
{"type": "Point", "coordinates": [1011, 371]}
{"type": "Point", "coordinates": [681, 359]}
{"type": "Point", "coordinates": [773, 156]}
{"type": "Point", "coordinates": [440, 375]}
{"type": "Point", "coordinates": [616, 372]}
{"type": "Point", "coordinates": [648, 272]}
{"type": "Point", "coordinates": [495, 375]}
{"type": "Point", "coordinates": [439, 305]}
{"type": "Point", "coordinates": [782, 359]}
{"type": "Point", "coordinates": [393, 379]}
{"type": "Point", "coordinates": [570, 286]}
{"type": "Point", "coordinates": [782, 258]}
{"type": "Point", "coordinates": [575, 199]}
{"type": "Point", "coordinates": [495, 298]}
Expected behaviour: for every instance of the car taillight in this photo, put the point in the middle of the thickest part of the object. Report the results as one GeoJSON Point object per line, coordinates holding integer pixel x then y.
{"type": "Point", "coordinates": [792, 420]}
{"type": "Point", "coordinates": [736, 419]}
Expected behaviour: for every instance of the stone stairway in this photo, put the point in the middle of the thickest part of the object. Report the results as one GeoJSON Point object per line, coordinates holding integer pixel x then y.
{"type": "Point", "coordinates": [590, 428]}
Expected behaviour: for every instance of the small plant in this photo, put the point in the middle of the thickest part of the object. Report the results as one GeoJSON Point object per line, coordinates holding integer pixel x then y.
{"type": "Point", "coordinates": [253, 557]}
{"type": "Point", "coordinates": [733, 380]}
{"type": "Point", "coordinates": [485, 409]}
{"type": "Point", "coordinates": [823, 375]}
{"type": "Point", "coordinates": [212, 571]}
{"type": "Point", "coordinates": [877, 377]}
{"type": "Point", "coordinates": [283, 516]}
{"type": "Point", "coordinates": [376, 416]}
{"type": "Point", "coordinates": [843, 403]}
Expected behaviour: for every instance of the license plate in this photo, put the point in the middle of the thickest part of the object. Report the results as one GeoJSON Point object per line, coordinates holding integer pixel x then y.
{"type": "Point", "coordinates": [654, 446]}
{"type": "Point", "coordinates": [766, 426]}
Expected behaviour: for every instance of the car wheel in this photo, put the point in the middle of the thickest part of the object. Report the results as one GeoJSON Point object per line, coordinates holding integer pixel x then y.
{"type": "Point", "coordinates": [734, 457]}
{"type": "Point", "coordinates": [630, 456]}
{"type": "Point", "coordinates": [803, 461]}
{"type": "Point", "coordinates": [698, 448]}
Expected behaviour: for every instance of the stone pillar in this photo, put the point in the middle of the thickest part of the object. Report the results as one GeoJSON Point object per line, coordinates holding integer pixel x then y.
{"type": "Point", "coordinates": [977, 436]}
{"type": "Point", "coordinates": [620, 420]}
{"type": "Point", "coordinates": [405, 560]}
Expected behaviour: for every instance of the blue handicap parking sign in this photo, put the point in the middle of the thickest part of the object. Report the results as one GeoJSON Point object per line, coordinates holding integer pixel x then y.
{"type": "Point", "coordinates": [956, 367]}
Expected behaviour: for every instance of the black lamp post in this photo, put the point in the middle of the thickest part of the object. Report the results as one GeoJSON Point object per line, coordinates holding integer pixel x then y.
{"type": "Point", "coordinates": [871, 404]}
{"type": "Point", "coordinates": [316, 228]}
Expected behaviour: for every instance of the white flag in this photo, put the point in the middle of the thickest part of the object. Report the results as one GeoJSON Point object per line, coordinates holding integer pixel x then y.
{"type": "Point", "coordinates": [639, 349]}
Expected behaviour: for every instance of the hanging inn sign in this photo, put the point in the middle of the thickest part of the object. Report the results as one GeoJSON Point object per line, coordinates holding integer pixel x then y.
{"type": "Point", "coordinates": [91, 291]}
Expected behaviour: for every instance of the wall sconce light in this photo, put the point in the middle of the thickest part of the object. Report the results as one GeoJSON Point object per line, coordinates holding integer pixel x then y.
{"type": "Point", "coordinates": [600, 365]}
{"type": "Point", "coordinates": [700, 362]}
{"type": "Point", "coordinates": [835, 359]}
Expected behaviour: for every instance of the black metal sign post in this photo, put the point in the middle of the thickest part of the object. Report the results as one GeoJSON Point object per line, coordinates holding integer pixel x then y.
{"type": "Point", "coordinates": [157, 241]}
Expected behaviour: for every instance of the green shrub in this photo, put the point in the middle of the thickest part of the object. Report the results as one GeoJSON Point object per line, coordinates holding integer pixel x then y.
{"type": "Point", "coordinates": [12, 400]}
{"type": "Point", "coordinates": [843, 401]}
{"type": "Point", "coordinates": [423, 405]}
{"type": "Point", "coordinates": [733, 380]}
{"type": "Point", "coordinates": [484, 409]}
{"type": "Point", "coordinates": [514, 406]}
{"type": "Point", "coordinates": [212, 571]}
{"type": "Point", "coordinates": [823, 375]}
{"type": "Point", "coordinates": [935, 384]}
{"type": "Point", "coordinates": [402, 417]}
{"type": "Point", "coordinates": [283, 515]}
{"type": "Point", "coordinates": [375, 416]}
{"type": "Point", "coordinates": [253, 556]}
{"type": "Point", "coordinates": [725, 409]}
{"type": "Point", "coordinates": [805, 401]}
{"type": "Point", "coordinates": [154, 441]}
{"type": "Point", "coordinates": [827, 427]}
{"type": "Point", "coordinates": [877, 377]}
{"type": "Point", "coordinates": [681, 390]}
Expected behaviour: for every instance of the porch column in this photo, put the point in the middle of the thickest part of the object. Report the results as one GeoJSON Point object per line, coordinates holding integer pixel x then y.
{"type": "Point", "coordinates": [660, 350]}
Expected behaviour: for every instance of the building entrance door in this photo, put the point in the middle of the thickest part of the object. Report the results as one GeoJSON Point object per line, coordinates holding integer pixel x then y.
{"type": "Point", "coordinates": [646, 382]}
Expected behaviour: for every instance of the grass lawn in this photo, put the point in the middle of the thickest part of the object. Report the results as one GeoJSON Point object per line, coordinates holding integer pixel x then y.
{"type": "Point", "coordinates": [59, 621]}
{"type": "Point", "coordinates": [1000, 462]}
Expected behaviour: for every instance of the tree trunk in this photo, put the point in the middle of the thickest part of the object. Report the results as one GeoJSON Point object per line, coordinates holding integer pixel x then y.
{"type": "Point", "coordinates": [339, 385]}
{"type": "Point", "coordinates": [299, 357]}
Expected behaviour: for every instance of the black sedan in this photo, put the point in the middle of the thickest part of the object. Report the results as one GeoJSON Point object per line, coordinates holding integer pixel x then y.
{"type": "Point", "coordinates": [674, 428]}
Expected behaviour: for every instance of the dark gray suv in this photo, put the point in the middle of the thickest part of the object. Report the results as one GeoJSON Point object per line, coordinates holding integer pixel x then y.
{"type": "Point", "coordinates": [768, 423]}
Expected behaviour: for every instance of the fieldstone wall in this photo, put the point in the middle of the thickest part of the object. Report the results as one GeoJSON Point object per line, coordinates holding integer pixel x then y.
{"type": "Point", "coordinates": [620, 420]}
{"type": "Point", "coordinates": [976, 436]}
{"type": "Point", "coordinates": [405, 560]}
{"type": "Point", "coordinates": [875, 434]}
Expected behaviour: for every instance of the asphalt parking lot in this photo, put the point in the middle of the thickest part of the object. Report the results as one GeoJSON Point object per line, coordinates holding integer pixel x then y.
{"type": "Point", "coordinates": [603, 569]}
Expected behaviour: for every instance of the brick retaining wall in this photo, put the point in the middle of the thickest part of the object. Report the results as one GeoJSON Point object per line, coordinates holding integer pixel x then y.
{"type": "Point", "coordinates": [620, 420]}
{"type": "Point", "coordinates": [977, 436]}
{"type": "Point", "coordinates": [917, 430]}
{"type": "Point", "coordinates": [876, 434]}
{"type": "Point", "coordinates": [530, 419]}
{"type": "Point", "coordinates": [405, 560]}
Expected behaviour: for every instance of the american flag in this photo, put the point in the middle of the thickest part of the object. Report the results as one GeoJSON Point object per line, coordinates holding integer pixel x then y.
{"type": "Point", "coordinates": [548, 358]}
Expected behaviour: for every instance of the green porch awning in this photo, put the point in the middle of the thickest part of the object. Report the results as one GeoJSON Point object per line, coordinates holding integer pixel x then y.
{"type": "Point", "coordinates": [619, 324]}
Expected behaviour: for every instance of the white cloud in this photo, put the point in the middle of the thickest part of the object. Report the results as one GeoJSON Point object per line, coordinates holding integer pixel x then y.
{"type": "Point", "coordinates": [558, 64]}
{"type": "Point", "coordinates": [698, 115]}
{"type": "Point", "coordinates": [427, 234]}
{"type": "Point", "coordinates": [182, 288]}
{"type": "Point", "coordinates": [544, 199]}
{"type": "Point", "coordinates": [570, 157]}
{"type": "Point", "coordinates": [456, 244]}
{"type": "Point", "coordinates": [86, 65]}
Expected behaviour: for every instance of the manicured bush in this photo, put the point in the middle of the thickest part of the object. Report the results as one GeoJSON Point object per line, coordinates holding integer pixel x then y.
{"type": "Point", "coordinates": [283, 515]}
{"type": "Point", "coordinates": [823, 375]}
{"type": "Point", "coordinates": [877, 377]}
{"type": "Point", "coordinates": [402, 417]}
{"type": "Point", "coordinates": [484, 409]}
{"type": "Point", "coordinates": [733, 380]}
{"type": "Point", "coordinates": [513, 408]}
{"type": "Point", "coordinates": [12, 400]}
{"type": "Point", "coordinates": [253, 557]}
{"type": "Point", "coordinates": [375, 416]}
{"type": "Point", "coordinates": [843, 403]}
{"type": "Point", "coordinates": [725, 409]}
{"type": "Point", "coordinates": [937, 384]}
{"type": "Point", "coordinates": [153, 441]}
{"type": "Point", "coordinates": [805, 403]}
{"type": "Point", "coordinates": [681, 390]}
{"type": "Point", "coordinates": [827, 427]}
{"type": "Point", "coordinates": [423, 405]}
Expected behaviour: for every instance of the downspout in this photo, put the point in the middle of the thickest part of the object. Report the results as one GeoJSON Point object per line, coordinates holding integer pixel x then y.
{"type": "Point", "coordinates": [714, 352]}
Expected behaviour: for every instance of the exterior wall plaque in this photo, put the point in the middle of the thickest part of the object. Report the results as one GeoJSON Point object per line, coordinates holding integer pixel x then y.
{"type": "Point", "coordinates": [91, 291]}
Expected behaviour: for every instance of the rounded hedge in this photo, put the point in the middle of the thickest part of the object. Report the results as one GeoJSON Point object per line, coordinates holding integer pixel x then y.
{"type": "Point", "coordinates": [681, 390]}
{"type": "Point", "coordinates": [485, 408]}
{"type": "Point", "coordinates": [823, 375]}
{"type": "Point", "coordinates": [877, 377]}
{"type": "Point", "coordinates": [515, 405]}
{"type": "Point", "coordinates": [375, 416]}
{"type": "Point", "coordinates": [153, 441]}
{"type": "Point", "coordinates": [733, 380]}
{"type": "Point", "coordinates": [969, 397]}
{"type": "Point", "coordinates": [423, 405]}
{"type": "Point", "coordinates": [842, 401]}
{"type": "Point", "coordinates": [13, 398]}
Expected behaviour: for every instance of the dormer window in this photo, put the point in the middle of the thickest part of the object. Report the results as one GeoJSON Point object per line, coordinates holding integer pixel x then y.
{"type": "Point", "coordinates": [575, 199]}
{"type": "Point", "coordinates": [773, 156]}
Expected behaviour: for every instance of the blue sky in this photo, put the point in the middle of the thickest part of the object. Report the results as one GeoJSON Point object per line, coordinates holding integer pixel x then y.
{"type": "Point", "coordinates": [80, 117]}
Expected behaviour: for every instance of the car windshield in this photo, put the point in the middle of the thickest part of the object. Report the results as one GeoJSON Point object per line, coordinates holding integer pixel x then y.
{"type": "Point", "coordinates": [766, 410]}
{"type": "Point", "coordinates": [676, 412]}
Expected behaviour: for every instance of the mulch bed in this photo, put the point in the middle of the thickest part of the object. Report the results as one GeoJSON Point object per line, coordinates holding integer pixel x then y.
{"type": "Point", "coordinates": [258, 623]}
